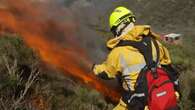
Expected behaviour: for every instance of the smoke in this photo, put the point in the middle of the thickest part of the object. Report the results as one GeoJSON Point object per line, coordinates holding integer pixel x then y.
{"type": "Point", "coordinates": [53, 30]}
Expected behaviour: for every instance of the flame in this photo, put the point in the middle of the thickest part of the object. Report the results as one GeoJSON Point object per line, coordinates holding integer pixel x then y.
{"type": "Point", "coordinates": [20, 17]}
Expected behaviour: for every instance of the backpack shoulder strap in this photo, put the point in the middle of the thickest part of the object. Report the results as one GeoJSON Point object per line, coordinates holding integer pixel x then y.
{"type": "Point", "coordinates": [157, 50]}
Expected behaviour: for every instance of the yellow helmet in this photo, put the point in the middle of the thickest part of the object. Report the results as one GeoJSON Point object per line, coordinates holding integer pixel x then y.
{"type": "Point", "coordinates": [120, 14]}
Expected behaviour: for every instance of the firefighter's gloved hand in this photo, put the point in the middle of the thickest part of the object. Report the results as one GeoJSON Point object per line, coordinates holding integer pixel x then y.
{"type": "Point", "coordinates": [97, 68]}
{"type": "Point", "coordinates": [99, 72]}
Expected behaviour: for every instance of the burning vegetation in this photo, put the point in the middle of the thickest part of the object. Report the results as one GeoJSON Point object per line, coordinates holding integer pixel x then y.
{"type": "Point", "coordinates": [46, 35]}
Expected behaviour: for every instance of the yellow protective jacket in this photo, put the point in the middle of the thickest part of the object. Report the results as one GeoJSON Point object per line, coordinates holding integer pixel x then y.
{"type": "Point", "coordinates": [126, 59]}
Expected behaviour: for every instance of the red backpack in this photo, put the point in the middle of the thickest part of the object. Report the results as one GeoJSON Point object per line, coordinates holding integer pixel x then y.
{"type": "Point", "coordinates": [161, 93]}
{"type": "Point", "coordinates": [153, 86]}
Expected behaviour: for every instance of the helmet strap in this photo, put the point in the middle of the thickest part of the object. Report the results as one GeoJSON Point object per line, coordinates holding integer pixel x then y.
{"type": "Point", "coordinates": [128, 28]}
{"type": "Point", "coordinates": [117, 30]}
{"type": "Point", "coordinates": [120, 28]}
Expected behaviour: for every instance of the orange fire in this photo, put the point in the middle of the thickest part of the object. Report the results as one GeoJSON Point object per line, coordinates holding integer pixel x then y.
{"type": "Point", "coordinates": [20, 17]}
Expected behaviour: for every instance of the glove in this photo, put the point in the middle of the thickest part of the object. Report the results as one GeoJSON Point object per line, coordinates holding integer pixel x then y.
{"type": "Point", "coordinates": [96, 70]}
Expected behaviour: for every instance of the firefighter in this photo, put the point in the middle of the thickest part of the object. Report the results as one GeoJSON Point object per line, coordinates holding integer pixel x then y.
{"type": "Point", "coordinates": [126, 60]}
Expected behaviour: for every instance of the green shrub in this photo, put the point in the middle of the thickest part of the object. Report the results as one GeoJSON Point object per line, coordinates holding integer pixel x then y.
{"type": "Point", "coordinates": [25, 85]}
{"type": "Point", "coordinates": [18, 72]}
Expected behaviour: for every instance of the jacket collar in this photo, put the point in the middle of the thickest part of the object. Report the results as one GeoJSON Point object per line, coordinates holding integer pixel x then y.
{"type": "Point", "coordinates": [134, 34]}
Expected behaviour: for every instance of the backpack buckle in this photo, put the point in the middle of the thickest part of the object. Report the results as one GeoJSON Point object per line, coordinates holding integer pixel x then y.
{"type": "Point", "coordinates": [154, 72]}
